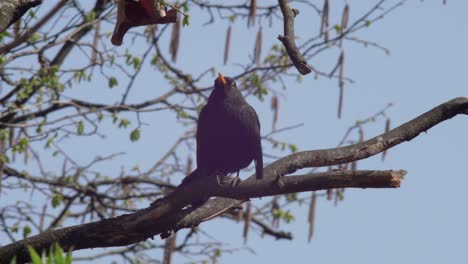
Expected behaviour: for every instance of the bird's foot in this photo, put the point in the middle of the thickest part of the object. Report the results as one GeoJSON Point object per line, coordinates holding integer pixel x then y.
{"type": "Point", "coordinates": [236, 181]}
{"type": "Point", "coordinates": [279, 181]}
{"type": "Point", "coordinates": [227, 181]}
{"type": "Point", "coordinates": [222, 179]}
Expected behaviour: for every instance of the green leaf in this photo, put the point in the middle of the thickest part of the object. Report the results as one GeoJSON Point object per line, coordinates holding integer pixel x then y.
{"type": "Point", "coordinates": [181, 114]}
{"type": "Point", "coordinates": [32, 14]}
{"type": "Point", "coordinates": [34, 37]}
{"type": "Point", "coordinates": [367, 23]}
{"type": "Point", "coordinates": [90, 16]}
{"type": "Point", "coordinates": [79, 76]}
{"type": "Point", "coordinates": [185, 7]}
{"type": "Point", "coordinates": [58, 254]}
{"type": "Point", "coordinates": [34, 256]}
{"type": "Point", "coordinates": [277, 213]}
{"type": "Point", "coordinates": [56, 200]}
{"type": "Point", "coordinates": [186, 20]}
{"type": "Point", "coordinates": [3, 35]}
{"type": "Point", "coordinates": [13, 260]}
{"type": "Point", "coordinates": [338, 29]}
{"type": "Point", "coordinates": [124, 123]}
{"type": "Point", "coordinates": [68, 258]}
{"type": "Point", "coordinates": [21, 145]}
{"type": "Point", "coordinates": [50, 259]}
{"type": "Point", "coordinates": [4, 158]}
{"type": "Point", "coordinates": [4, 134]}
{"type": "Point", "coordinates": [136, 62]}
{"type": "Point", "coordinates": [136, 168]}
{"type": "Point", "coordinates": [232, 18]}
{"type": "Point", "coordinates": [135, 135]}
{"type": "Point", "coordinates": [80, 128]}
{"type": "Point", "coordinates": [100, 116]}
{"type": "Point", "coordinates": [291, 197]}
{"type": "Point", "coordinates": [115, 118]}
{"type": "Point", "coordinates": [49, 142]}
{"type": "Point", "coordinates": [260, 92]}
{"type": "Point", "coordinates": [26, 231]}
{"type": "Point", "coordinates": [24, 142]}
{"type": "Point", "coordinates": [113, 82]}
{"type": "Point", "coordinates": [293, 148]}
{"type": "Point", "coordinates": [39, 129]}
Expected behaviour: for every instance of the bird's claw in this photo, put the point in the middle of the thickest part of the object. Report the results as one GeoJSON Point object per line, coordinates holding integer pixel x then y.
{"type": "Point", "coordinates": [219, 180]}
{"type": "Point", "coordinates": [236, 181]}
{"type": "Point", "coordinates": [279, 181]}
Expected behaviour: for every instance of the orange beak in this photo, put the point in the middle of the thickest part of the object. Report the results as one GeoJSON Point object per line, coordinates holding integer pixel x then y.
{"type": "Point", "coordinates": [221, 78]}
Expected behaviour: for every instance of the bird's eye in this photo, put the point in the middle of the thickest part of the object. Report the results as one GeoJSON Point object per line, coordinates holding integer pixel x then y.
{"type": "Point", "coordinates": [233, 85]}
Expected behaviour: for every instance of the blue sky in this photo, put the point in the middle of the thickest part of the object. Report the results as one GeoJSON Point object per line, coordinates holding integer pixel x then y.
{"type": "Point", "coordinates": [424, 221]}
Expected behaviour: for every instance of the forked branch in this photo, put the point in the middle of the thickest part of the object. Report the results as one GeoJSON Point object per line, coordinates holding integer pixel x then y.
{"type": "Point", "coordinates": [288, 39]}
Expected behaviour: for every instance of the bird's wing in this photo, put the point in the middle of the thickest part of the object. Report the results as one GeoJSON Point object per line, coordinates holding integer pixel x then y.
{"type": "Point", "coordinates": [256, 117]}
{"type": "Point", "coordinates": [257, 144]}
{"type": "Point", "coordinates": [244, 116]}
{"type": "Point", "coordinates": [202, 133]}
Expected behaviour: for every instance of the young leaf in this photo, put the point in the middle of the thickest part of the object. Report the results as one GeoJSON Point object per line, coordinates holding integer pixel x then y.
{"type": "Point", "coordinates": [135, 135]}
{"type": "Point", "coordinates": [34, 256]}
{"type": "Point", "coordinates": [113, 82]}
{"type": "Point", "coordinates": [26, 231]}
{"type": "Point", "coordinates": [80, 128]}
{"type": "Point", "coordinates": [186, 20]}
{"type": "Point", "coordinates": [56, 200]}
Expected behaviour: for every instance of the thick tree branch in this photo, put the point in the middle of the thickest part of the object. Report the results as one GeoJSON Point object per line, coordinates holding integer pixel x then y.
{"type": "Point", "coordinates": [251, 188]}
{"type": "Point", "coordinates": [171, 214]}
{"type": "Point", "coordinates": [18, 41]}
{"type": "Point", "coordinates": [139, 226]}
{"type": "Point", "coordinates": [13, 10]}
{"type": "Point", "coordinates": [288, 39]}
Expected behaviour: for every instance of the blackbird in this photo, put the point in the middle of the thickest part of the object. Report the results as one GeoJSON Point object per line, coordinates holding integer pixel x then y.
{"type": "Point", "coordinates": [228, 133]}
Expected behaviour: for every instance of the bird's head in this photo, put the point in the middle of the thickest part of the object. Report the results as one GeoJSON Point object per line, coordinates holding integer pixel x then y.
{"type": "Point", "coordinates": [224, 83]}
{"type": "Point", "coordinates": [224, 89]}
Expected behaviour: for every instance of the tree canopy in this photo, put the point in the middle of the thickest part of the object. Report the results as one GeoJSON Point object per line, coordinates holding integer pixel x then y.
{"type": "Point", "coordinates": [95, 138]}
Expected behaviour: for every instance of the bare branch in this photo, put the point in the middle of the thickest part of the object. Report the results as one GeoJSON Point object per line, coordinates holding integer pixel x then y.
{"type": "Point", "coordinates": [288, 39]}
{"type": "Point", "coordinates": [139, 226]}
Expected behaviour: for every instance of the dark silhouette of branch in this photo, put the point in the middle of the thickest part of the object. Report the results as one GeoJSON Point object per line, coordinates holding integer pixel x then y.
{"type": "Point", "coordinates": [18, 41]}
{"type": "Point", "coordinates": [17, 12]}
{"type": "Point", "coordinates": [166, 215]}
{"type": "Point", "coordinates": [171, 212]}
{"type": "Point", "coordinates": [288, 39]}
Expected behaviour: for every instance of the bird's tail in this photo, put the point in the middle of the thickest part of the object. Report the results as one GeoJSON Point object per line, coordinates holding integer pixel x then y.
{"type": "Point", "coordinates": [190, 177]}
{"type": "Point", "coordinates": [259, 166]}
{"type": "Point", "coordinates": [185, 180]}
